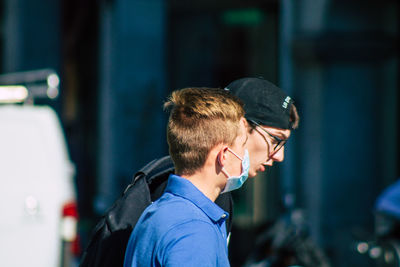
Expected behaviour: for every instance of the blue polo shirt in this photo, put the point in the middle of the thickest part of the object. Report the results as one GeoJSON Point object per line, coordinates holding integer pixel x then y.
{"type": "Point", "coordinates": [183, 228]}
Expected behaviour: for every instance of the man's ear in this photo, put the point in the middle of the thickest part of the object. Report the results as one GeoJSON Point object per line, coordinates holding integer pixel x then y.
{"type": "Point", "coordinates": [243, 120]}
{"type": "Point", "coordinates": [246, 125]}
{"type": "Point", "coordinates": [221, 156]}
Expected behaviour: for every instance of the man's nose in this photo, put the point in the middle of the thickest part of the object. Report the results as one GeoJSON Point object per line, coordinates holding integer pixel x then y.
{"type": "Point", "coordinates": [278, 156]}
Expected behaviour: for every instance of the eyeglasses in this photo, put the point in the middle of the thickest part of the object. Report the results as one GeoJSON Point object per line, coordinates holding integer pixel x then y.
{"type": "Point", "coordinates": [279, 142]}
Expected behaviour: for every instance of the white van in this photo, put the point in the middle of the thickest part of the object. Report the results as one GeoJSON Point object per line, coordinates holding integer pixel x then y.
{"type": "Point", "coordinates": [37, 199]}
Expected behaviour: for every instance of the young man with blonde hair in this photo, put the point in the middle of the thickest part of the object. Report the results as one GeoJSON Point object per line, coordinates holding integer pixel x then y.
{"type": "Point", "coordinates": [271, 116]}
{"type": "Point", "coordinates": [207, 136]}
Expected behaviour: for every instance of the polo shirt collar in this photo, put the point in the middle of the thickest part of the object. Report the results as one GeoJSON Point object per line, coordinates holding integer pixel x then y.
{"type": "Point", "coordinates": [184, 188]}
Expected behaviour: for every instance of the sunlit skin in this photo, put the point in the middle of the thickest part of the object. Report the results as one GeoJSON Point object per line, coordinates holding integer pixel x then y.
{"type": "Point", "coordinates": [260, 146]}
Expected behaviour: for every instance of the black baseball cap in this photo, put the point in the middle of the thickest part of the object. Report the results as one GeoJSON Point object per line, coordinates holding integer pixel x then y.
{"type": "Point", "coordinates": [264, 102]}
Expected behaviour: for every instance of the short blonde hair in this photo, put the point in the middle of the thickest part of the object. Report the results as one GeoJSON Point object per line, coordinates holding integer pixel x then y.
{"type": "Point", "coordinates": [200, 119]}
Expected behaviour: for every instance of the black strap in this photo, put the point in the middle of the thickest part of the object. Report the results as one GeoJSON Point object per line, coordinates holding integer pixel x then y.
{"type": "Point", "coordinates": [156, 168]}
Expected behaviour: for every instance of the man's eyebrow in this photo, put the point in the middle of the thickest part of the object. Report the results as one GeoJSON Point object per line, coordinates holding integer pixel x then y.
{"type": "Point", "coordinates": [283, 136]}
{"type": "Point", "coordinates": [280, 135]}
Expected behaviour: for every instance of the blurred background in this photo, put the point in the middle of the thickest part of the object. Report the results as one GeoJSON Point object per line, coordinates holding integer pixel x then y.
{"type": "Point", "coordinates": [118, 60]}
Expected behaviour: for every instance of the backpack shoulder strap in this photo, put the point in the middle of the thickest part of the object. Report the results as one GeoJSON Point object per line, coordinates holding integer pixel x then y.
{"type": "Point", "coordinates": [156, 168]}
{"type": "Point", "coordinates": [155, 172]}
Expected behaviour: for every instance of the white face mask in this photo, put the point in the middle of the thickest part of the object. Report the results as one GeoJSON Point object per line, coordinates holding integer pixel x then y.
{"type": "Point", "coordinates": [235, 182]}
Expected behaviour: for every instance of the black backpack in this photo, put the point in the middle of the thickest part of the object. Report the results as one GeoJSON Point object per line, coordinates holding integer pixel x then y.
{"type": "Point", "coordinates": [111, 234]}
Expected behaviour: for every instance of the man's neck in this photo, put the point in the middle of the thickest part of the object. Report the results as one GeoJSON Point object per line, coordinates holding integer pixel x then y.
{"type": "Point", "coordinates": [206, 182]}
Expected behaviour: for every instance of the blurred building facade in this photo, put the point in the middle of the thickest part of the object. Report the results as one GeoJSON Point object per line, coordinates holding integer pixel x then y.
{"type": "Point", "coordinates": [119, 59]}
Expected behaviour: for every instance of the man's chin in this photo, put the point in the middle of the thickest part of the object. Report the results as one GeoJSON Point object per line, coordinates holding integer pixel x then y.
{"type": "Point", "coordinates": [258, 171]}
{"type": "Point", "coordinates": [253, 174]}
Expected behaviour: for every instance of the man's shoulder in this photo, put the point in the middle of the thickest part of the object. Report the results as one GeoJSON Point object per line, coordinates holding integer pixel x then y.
{"type": "Point", "coordinates": [169, 217]}
{"type": "Point", "coordinates": [173, 216]}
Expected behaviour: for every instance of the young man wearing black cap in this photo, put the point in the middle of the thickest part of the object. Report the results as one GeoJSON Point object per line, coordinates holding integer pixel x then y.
{"type": "Point", "coordinates": [271, 116]}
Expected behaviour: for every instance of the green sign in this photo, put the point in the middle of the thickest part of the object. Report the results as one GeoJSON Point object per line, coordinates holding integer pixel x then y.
{"type": "Point", "coordinates": [246, 17]}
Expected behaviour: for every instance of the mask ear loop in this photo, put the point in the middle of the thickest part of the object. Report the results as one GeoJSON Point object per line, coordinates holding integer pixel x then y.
{"type": "Point", "coordinates": [239, 157]}
{"type": "Point", "coordinates": [236, 155]}
{"type": "Point", "coordinates": [225, 172]}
